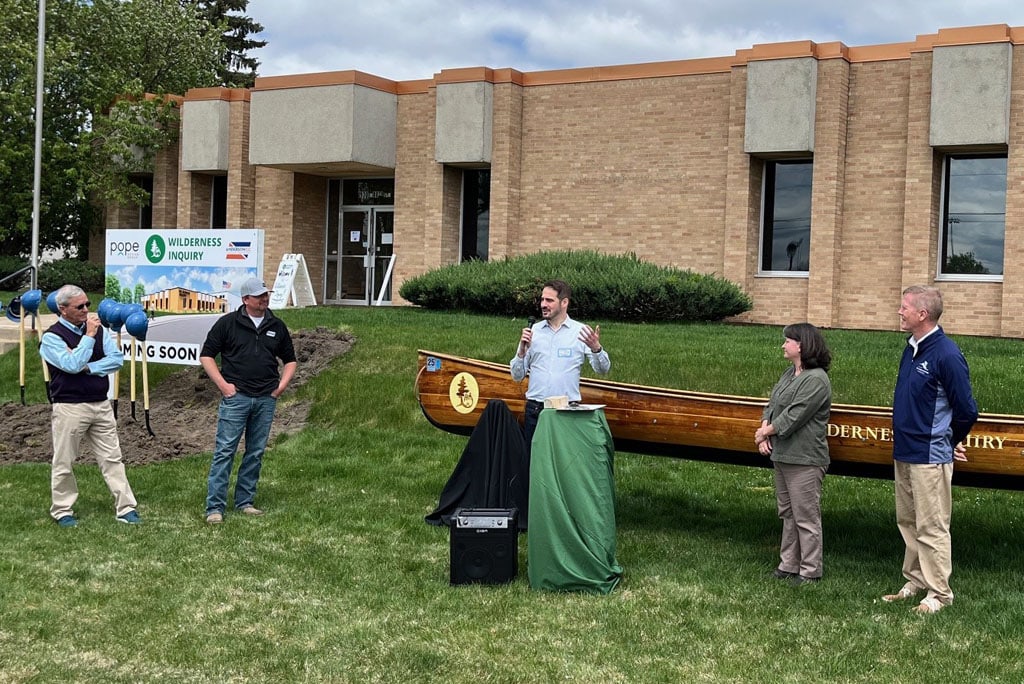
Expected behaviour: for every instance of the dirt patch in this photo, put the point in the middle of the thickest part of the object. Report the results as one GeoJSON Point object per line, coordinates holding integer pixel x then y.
{"type": "Point", "coordinates": [182, 411]}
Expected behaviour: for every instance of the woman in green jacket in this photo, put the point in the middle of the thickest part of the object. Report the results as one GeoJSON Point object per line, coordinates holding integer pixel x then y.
{"type": "Point", "coordinates": [793, 433]}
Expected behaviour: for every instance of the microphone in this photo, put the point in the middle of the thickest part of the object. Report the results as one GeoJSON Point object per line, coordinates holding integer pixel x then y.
{"type": "Point", "coordinates": [529, 324]}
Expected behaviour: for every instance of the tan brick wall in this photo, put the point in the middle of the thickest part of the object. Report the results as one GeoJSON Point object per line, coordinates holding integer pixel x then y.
{"type": "Point", "coordinates": [165, 187]}
{"type": "Point", "coordinates": [274, 206]}
{"type": "Point", "coordinates": [873, 205]}
{"type": "Point", "coordinates": [743, 188]}
{"type": "Point", "coordinates": [506, 170]}
{"type": "Point", "coordinates": [828, 190]}
{"type": "Point", "coordinates": [308, 232]}
{"type": "Point", "coordinates": [418, 192]}
{"type": "Point", "coordinates": [627, 166]}
{"type": "Point", "coordinates": [1011, 311]}
{"type": "Point", "coordinates": [200, 201]}
{"type": "Point", "coordinates": [241, 174]}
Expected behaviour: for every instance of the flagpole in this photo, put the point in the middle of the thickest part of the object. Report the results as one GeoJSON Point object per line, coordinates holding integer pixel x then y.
{"type": "Point", "coordinates": [38, 170]}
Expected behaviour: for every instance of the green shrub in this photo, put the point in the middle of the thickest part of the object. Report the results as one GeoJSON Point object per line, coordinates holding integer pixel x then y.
{"type": "Point", "coordinates": [620, 288]}
{"type": "Point", "coordinates": [55, 274]}
{"type": "Point", "coordinates": [9, 265]}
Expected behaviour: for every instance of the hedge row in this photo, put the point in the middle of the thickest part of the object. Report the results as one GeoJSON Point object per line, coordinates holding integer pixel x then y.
{"type": "Point", "coordinates": [622, 288]}
{"type": "Point", "coordinates": [53, 275]}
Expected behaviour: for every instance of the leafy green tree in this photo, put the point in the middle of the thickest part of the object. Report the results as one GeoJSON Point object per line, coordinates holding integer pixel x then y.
{"type": "Point", "coordinates": [101, 59]}
{"type": "Point", "coordinates": [62, 207]}
{"type": "Point", "coordinates": [112, 290]}
{"type": "Point", "coordinates": [965, 262]}
{"type": "Point", "coordinates": [238, 67]}
{"type": "Point", "coordinates": [140, 292]}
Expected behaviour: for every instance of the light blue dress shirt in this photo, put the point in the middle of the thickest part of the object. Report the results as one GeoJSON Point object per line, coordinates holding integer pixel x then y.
{"type": "Point", "coordinates": [55, 352]}
{"type": "Point", "coordinates": [554, 359]}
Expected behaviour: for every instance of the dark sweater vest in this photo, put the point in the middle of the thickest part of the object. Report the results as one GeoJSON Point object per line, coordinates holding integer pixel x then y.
{"type": "Point", "coordinates": [77, 388]}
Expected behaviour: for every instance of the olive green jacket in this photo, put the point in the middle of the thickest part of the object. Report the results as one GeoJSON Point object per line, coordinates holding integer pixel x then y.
{"type": "Point", "coordinates": [798, 410]}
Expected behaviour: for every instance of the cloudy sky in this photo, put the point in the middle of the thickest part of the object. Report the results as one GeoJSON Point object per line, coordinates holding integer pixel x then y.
{"type": "Point", "coordinates": [412, 39]}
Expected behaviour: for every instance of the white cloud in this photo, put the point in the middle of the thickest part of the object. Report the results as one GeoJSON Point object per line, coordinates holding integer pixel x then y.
{"type": "Point", "coordinates": [411, 39]}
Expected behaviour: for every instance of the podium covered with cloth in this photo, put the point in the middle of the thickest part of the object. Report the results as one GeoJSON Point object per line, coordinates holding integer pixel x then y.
{"type": "Point", "coordinates": [571, 537]}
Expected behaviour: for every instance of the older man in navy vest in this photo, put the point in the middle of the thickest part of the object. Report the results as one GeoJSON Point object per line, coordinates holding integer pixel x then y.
{"type": "Point", "coordinates": [81, 356]}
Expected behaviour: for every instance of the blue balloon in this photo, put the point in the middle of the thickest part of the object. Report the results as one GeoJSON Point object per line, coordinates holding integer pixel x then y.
{"type": "Point", "coordinates": [137, 324]}
{"type": "Point", "coordinates": [51, 302]}
{"type": "Point", "coordinates": [30, 301]}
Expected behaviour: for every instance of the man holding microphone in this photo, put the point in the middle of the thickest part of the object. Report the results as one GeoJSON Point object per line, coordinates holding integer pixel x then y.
{"type": "Point", "coordinates": [552, 352]}
{"type": "Point", "coordinates": [81, 356]}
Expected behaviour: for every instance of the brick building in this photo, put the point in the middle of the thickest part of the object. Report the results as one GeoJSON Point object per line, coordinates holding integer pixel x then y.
{"type": "Point", "coordinates": [821, 178]}
{"type": "Point", "coordinates": [180, 300]}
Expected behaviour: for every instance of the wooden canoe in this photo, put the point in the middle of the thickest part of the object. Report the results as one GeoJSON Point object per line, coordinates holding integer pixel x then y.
{"type": "Point", "coordinates": [454, 390]}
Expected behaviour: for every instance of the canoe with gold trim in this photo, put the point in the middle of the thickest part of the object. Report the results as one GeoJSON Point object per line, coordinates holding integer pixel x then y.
{"type": "Point", "coordinates": [453, 391]}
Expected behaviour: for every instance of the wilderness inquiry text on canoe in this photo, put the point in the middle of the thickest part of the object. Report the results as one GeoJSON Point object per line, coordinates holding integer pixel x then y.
{"type": "Point", "coordinates": [884, 434]}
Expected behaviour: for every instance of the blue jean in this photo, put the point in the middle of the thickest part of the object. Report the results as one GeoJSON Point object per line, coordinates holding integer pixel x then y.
{"type": "Point", "coordinates": [237, 415]}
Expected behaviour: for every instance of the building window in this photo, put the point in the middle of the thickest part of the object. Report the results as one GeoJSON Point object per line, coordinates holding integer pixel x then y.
{"type": "Point", "coordinates": [973, 216]}
{"type": "Point", "coordinates": [219, 202]}
{"type": "Point", "coordinates": [786, 217]}
{"type": "Point", "coordinates": [476, 213]}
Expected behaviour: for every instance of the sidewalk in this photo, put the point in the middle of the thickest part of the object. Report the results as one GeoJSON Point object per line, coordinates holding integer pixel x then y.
{"type": "Point", "coordinates": [9, 330]}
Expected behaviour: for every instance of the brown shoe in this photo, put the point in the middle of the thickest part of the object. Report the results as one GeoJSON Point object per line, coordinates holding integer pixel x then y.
{"type": "Point", "coordinates": [215, 519]}
{"type": "Point", "coordinates": [252, 510]}
{"type": "Point", "coordinates": [907, 591]}
{"type": "Point", "coordinates": [928, 606]}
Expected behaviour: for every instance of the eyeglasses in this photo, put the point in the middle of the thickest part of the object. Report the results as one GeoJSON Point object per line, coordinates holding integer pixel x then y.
{"type": "Point", "coordinates": [83, 305]}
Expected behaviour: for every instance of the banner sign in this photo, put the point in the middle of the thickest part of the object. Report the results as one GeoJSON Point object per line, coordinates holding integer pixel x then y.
{"type": "Point", "coordinates": [172, 339]}
{"type": "Point", "coordinates": [178, 271]}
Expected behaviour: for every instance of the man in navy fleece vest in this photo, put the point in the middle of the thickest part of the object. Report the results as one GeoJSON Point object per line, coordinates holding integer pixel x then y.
{"type": "Point", "coordinates": [933, 411]}
{"type": "Point", "coordinates": [81, 356]}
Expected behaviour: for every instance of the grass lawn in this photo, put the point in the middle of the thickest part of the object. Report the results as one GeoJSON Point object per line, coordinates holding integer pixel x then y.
{"type": "Point", "coordinates": [342, 581]}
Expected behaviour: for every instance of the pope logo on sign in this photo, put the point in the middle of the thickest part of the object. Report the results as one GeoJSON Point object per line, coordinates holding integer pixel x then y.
{"type": "Point", "coordinates": [464, 393]}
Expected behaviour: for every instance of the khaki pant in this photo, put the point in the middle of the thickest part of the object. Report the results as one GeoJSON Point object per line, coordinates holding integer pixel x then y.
{"type": "Point", "coordinates": [798, 498]}
{"type": "Point", "coordinates": [924, 505]}
{"type": "Point", "coordinates": [94, 424]}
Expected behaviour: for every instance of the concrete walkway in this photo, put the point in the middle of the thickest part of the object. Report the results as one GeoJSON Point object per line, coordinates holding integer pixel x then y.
{"type": "Point", "coordinates": [9, 330]}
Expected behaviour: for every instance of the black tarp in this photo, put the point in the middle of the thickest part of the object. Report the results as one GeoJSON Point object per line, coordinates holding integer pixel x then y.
{"type": "Point", "coordinates": [493, 472]}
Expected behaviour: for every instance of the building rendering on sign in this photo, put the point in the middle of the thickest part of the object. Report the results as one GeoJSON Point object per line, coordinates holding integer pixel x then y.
{"type": "Point", "coordinates": [182, 300]}
{"type": "Point", "coordinates": [821, 178]}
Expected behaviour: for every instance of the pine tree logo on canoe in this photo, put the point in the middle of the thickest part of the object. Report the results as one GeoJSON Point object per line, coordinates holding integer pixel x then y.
{"type": "Point", "coordinates": [464, 393]}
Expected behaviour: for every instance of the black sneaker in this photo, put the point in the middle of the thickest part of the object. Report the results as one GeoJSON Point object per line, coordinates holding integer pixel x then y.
{"type": "Point", "coordinates": [800, 579]}
{"type": "Point", "coordinates": [782, 574]}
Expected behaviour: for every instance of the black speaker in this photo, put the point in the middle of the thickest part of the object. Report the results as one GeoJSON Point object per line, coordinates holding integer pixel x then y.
{"type": "Point", "coordinates": [484, 546]}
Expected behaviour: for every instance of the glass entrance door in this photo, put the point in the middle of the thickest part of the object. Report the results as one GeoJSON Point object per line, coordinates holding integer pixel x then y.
{"type": "Point", "coordinates": [383, 245]}
{"type": "Point", "coordinates": [363, 246]}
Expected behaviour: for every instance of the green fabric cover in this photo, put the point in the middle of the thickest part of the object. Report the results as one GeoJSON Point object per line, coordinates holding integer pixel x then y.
{"type": "Point", "coordinates": [571, 536]}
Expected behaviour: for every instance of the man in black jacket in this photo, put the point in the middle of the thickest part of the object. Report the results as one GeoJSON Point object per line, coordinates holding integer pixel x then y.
{"type": "Point", "coordinates": [249, 341]}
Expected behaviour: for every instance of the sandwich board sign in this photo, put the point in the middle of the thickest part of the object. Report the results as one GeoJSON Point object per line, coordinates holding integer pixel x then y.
{"type": "Point", "coordinates": [292, 286]}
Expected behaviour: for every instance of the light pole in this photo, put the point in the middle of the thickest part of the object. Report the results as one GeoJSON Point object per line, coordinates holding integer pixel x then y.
{"type": "Point", "coordinates": [38, 166]}
{"type": "Point", "coordinates": [949, 234]}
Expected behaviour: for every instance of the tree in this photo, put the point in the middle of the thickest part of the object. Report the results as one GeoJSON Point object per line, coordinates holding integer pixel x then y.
{"type": "Point", "coordinates": [112, 288]}
{"type": "Point", "coordinates": [102, 58]}
{"type": "Point", "coordinates": [62, 209]}
{"type": "Point", "coordinates": [237, 68]}
{"type": "Point", "coordinates": [964, 262]}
